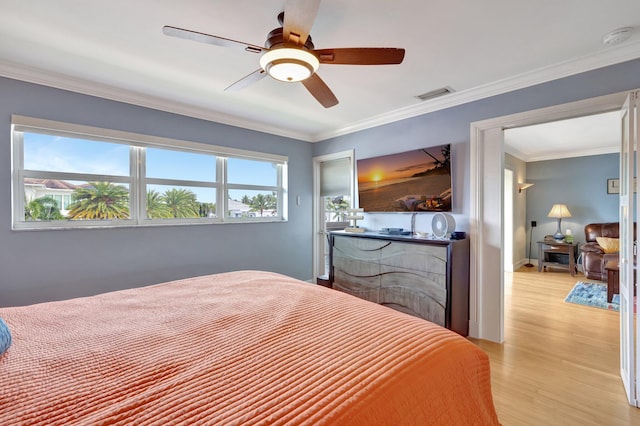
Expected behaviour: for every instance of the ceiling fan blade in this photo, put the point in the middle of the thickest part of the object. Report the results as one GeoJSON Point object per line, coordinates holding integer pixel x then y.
{"type": "Point", "coordinates": [320, 91]}
{"type": "Point", "coordinates": [245, 81]}
{"type": "Point", "coordinates": [298, 20]}
{"type": "Point", "coordinates": [361, 56]}
{"type": "Point", "coordinates": [210, 39]}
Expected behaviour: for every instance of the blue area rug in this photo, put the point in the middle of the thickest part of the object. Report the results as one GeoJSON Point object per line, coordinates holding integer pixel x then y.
{"type": "Point", "coordinates": [594, 295]}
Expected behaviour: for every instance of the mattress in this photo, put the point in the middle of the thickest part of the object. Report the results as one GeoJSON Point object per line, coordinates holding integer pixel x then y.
{"type": "Point", "coordinates": [239, 348]}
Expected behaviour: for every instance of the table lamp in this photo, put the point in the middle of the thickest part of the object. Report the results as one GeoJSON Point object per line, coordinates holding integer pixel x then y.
{"type": "Point", "coordinates": [559, 211]}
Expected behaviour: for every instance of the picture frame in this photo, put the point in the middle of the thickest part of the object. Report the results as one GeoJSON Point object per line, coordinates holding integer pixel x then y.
{"type": "Point", "coordinates": [419, 180]}
{"type": "Point", "coordinates": [613, 185]}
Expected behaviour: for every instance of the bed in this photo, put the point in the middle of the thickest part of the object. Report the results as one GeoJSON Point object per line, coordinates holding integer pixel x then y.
{"type": "Point", "coordinates": [238, 348]}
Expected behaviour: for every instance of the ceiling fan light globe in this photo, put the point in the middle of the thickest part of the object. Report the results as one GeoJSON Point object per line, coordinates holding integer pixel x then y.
{"type": "Point", "coordinates": [289, 70]}
{"type": "Point", "coordinates": [289, 65]}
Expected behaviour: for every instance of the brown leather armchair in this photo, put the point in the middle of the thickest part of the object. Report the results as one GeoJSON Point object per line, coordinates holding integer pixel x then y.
{"type": "Point", "coordinates": [593, 256]}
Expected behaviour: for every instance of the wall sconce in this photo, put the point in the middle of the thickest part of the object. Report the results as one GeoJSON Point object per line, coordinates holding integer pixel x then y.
{"type": "Point", "coordinates": [523, 185]}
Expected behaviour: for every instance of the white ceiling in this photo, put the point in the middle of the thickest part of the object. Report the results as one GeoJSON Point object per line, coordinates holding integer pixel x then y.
{"type": "Point", "coordinates": [116, 49]}
{"type": "Point", "coordinates": [576, 137]}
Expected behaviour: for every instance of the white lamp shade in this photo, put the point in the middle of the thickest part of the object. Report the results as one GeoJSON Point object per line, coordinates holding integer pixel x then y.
{"type": "Point", "coordinates": [559, 211]}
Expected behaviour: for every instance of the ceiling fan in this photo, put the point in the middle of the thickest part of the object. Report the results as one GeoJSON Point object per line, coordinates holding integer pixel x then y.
{"type": "Point", "coordinates": [289, 54]}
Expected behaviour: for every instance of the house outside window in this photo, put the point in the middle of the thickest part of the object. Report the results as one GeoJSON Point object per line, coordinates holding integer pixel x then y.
{"type": "Point", "coordinates": [59, 191]}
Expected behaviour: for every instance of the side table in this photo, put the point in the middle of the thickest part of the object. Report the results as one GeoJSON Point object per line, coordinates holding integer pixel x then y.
{"type": "Point", "coordinates": [549, 254]}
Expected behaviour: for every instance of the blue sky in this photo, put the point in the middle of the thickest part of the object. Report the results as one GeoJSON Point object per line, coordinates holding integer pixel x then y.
{"type": "Point", "coordinates": [62, 154]}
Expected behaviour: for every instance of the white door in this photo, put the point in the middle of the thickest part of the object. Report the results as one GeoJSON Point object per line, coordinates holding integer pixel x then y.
{"type": "Point", "coordinates": [628, 215]}
{"type": "Point", "coordinates": [333, 180]}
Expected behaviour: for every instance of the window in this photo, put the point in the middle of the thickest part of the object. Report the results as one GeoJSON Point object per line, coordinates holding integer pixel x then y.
{"type": "Point", "coordinates": [256, 184]}
{"type": "Point", "coordinates": [68, 176]}
{"type": "Point", "coordinates": [180, 185]}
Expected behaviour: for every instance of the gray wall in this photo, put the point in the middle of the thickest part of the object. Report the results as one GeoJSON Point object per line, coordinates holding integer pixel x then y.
{"type": "Point", "coordinates": [452, 126]}
{"type": "Point", "coordinates": [49, 265]}
{"type": "Point", "coordinates": [581, 184]}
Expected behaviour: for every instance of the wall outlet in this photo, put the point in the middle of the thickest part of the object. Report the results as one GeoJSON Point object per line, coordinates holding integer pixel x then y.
{"type": "Point", "coordinates": [534, 223]}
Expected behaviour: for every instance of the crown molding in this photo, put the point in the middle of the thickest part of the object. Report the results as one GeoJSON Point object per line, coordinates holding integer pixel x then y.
{"type": "Point", "coordinates": [611, 56]}
{"type": "Point", "coordinates": [561, 155]}
{"type": "Point", "coordinates": [86, 87]}
{"type": "Point", "coordinates": [585, 63]}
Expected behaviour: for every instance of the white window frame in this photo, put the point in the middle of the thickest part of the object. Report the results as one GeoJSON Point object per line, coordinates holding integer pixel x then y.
{"type": "Point", "coordinates": [279, 189]}
{"type": "Point", "coordinates": [137, 179]}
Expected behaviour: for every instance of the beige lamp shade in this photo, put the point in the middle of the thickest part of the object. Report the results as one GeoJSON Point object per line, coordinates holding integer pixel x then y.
{"type": "Point", "coordinates": [559, 211]}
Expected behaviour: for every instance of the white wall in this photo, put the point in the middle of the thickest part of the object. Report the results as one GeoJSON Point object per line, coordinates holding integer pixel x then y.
{"type": "Point", "coordinates": [520, 225]}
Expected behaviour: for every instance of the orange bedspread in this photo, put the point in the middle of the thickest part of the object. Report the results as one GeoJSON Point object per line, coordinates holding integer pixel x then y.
{"type": "Point", "coordinates": [241, 348]}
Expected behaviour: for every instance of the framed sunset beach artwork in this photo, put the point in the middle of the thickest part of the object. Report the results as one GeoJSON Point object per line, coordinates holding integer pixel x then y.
{"type": "Point", "coordinates": [411, 181]}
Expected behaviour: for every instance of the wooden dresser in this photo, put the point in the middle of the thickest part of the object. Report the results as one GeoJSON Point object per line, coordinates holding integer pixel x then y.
{"type": "Point", "coordinates": [422, 277]}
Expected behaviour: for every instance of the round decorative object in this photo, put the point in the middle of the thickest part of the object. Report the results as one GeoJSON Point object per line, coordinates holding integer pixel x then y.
{"type": "Point", "coordinates": [442, 225]}
{"type": "Point", "coordinates": [617, 36]}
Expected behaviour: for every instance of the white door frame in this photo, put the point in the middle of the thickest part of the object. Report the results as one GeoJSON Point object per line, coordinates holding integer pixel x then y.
{"type": "Point", "coordinates": [318, 210]}
{"type": "Point", "coordinates": [486, 295]}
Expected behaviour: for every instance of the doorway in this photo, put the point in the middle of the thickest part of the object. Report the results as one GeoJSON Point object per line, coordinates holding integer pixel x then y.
{"type": "Point", "coordinates": [333, 193]}
{"type": "Point", "coordinates": [487, 206]}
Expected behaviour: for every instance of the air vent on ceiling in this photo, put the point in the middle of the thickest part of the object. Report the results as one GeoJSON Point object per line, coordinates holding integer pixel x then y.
{"type": "Point", "coordinates": [435, 93]}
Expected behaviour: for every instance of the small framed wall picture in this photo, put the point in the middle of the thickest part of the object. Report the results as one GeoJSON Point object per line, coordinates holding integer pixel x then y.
{"type": "Point", "coordinates": [613, 186]}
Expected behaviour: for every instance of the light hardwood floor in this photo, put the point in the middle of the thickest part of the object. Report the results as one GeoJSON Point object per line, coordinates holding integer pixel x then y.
{"type": "Point", "coordinates": [559, 364]}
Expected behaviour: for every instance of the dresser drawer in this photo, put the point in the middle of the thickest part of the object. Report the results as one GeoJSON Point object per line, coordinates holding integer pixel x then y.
{"type": "Point", "coordinates": [359, 248]}
{"type": "Point", "coordinates": [414, 303]}
{"type": "Point", "coordinates": [355, 267]}
{"type": "Point", "coordinates": [366, 288]}
{"type": "Point", "coordinates": [416, 257]}
{"type": "Point", "coordinates": [429, 285]}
